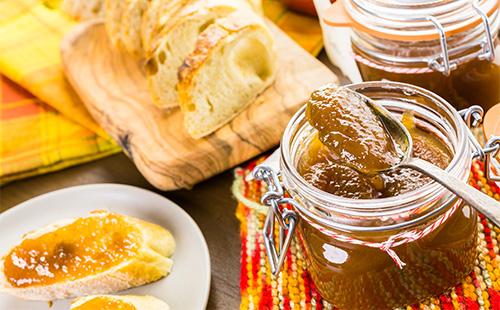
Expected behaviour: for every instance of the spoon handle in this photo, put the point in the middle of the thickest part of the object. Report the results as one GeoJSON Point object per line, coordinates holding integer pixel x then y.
{"type": "Point", "coordinates": [478, 200]}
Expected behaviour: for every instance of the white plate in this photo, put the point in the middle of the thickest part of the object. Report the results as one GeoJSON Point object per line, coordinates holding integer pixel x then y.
{"type": "Point", "coordinates": [187, 287]}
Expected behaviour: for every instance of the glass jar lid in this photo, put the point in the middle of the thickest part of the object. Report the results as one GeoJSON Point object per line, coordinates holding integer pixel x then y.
{"type": "Point", "coordinates": [409, 20]}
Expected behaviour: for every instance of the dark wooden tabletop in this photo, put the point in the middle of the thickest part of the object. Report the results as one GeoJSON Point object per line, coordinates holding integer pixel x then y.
{"type": "Point", "coordinates": [209, 203]}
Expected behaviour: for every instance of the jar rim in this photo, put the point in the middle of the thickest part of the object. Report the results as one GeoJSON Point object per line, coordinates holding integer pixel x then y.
{"type": "Point", "coordinates": [377, 206]}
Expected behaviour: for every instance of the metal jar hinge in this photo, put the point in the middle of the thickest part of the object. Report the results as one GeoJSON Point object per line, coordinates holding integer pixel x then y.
{"type": "Point", "coordinates": [473, 117]}
{"type": "Point", "coordinates": [442, 63]}
{"type": "Point", "coordinates": [286, 218]}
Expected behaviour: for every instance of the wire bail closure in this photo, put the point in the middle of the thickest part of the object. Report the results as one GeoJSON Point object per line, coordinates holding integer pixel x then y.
{"type": "Point", "coordinates": [286, 218]}
{"type": "Point", "coordinates": [442, 63]}
{"type": "Point", "coordinates": [473, 118]}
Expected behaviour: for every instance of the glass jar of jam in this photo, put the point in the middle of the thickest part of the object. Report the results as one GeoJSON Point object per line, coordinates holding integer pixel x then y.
{"type": "Point", "coordinates": [448, 47]}
{"type": "Point", "coordinates": [368, 246]}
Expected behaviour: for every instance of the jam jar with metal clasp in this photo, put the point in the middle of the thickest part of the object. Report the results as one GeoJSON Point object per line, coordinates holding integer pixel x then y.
{"type": "Point", "coordinates": [448, 47]}
{"type": "Point", "coordinates": [372, 249]}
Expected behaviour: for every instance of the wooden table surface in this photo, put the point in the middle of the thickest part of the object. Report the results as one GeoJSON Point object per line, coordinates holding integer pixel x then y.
{"type": "Point", "coordinates": [209, 203]}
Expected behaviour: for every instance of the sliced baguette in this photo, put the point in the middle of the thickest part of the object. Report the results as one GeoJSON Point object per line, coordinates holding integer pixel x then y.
{"type": "Point", "coordinates": [109, 302]}
{"type": "Point", "coordinates": [233, 62]}
{"type": "Point", "coordinates": [178, 41]}
{"type": "Point", "coordinates": [149, 261]}
{"type": "Point", "coordinates": [83, 9]}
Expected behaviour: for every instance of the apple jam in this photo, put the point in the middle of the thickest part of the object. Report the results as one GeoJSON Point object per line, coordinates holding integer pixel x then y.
{"type": "Point", "coordinates": [359, 277]}
{"type": "Point", "coordinates": [84, 247]}
{"type": "Point", "coordinates": [349, 130]}
{"type": "Point", "coordinates": [105, 303]}
{"type": "Point", "coordinates": [350, 134]}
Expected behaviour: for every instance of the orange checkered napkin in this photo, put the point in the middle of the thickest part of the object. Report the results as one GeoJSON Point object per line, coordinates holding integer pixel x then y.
{"type": "Point", "coordinates": [35, 138]}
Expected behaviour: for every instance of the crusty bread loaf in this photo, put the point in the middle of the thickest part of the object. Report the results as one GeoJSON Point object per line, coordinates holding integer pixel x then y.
{"type": "Point", "coordinates": [233, 61]}
{"type": "Point", "coordinates": [97, 302]}
{"type": "Point", "coordinates": [83, 9]}
{"type": "Point", "coordinates": [148, 247]}
{"type": "Point", "coordinates": [177, 41]}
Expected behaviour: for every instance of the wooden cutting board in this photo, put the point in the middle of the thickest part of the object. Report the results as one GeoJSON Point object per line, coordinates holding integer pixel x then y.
{"type": "Point", "coordinates": [113, 87]}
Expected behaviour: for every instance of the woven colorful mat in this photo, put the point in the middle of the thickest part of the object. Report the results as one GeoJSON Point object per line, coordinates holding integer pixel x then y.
{"type": "Point", "coordinates": [293, 288]}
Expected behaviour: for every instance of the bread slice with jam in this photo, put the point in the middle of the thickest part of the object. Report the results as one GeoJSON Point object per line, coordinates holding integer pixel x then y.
{"type": "Point", "coordinates": [118, 302]}
{"type": "Point", "coordinates": [98, 254]}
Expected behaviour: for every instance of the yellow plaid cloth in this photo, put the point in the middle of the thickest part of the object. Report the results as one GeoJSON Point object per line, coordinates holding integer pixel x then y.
{"type": "Point", "coordinates": [30, 36]}
{"type": "Point", "coordinates": [51, 129]}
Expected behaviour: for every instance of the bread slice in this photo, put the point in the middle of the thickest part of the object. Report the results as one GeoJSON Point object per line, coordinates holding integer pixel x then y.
{"type": "Point", "coordinates": [108, 302]}
{"type": "Point", "coordinates": [158, 15]}
{"type": "Point", "coordinates": [233, 62]}
{"type": "Point", "coordinates": [97, 254]}
{"type": "Point", "coordinates": [178, 41]}
{"type": "Point", "coordinates": [113, 20]}
{"type": "Point", "coordinates": [83, 9]}
{"type": "Point", "coordinates": [130, 31]}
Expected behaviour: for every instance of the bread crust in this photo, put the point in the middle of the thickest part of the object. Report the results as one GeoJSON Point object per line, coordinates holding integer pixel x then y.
{"type": "Point", "coordinates": [151, 262]}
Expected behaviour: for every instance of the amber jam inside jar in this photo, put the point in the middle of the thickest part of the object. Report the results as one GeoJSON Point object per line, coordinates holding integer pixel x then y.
{"type": "Point", "coordinates": [353, 276]}
{"type": "Point", "coordinates": [473, 82]}
{"type": "Point", "coordinates": [398, 41]}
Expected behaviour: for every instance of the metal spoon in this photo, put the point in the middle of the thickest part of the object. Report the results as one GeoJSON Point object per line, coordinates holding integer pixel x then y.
{"type": "Point", "coordinates": [401, 137]}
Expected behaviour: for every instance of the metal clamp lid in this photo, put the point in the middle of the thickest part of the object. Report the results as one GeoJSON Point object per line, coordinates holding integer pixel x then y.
{"type": "Point", "coordinates": [443, 64]}
{"type": "Point", "coordinates": [375, 21]}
